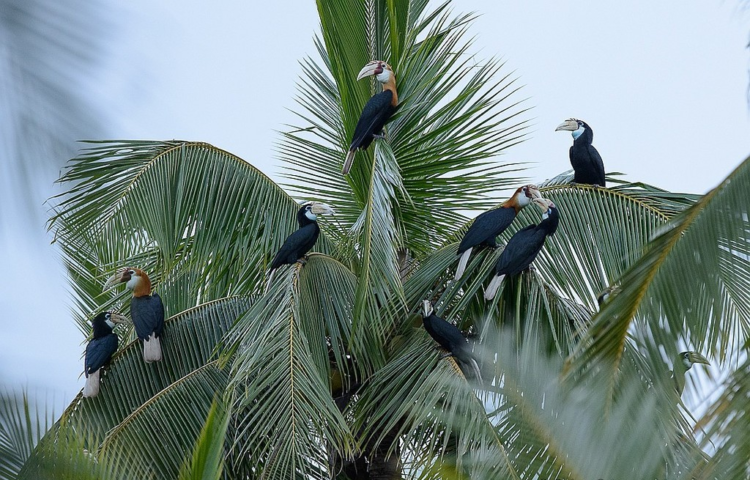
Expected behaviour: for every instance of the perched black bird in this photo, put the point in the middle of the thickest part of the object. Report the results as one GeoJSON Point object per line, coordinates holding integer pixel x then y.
{"type": "Point", "coordinates": [378, 110]}
{"type": "Point", "coordinates": [146, 310]}
{"type": "Point", "coordinates": [606, 293]}
{"type": "Point", "coordinates": [100, 349]}
{"type": "Point", "coordinates": [524, 246]}
{"type": "Point", "coordinates": [302, 240]}
{"type": "Point", "coordinates": [587, 164]}
{"type": "Point", "coordinates": [682, 364]}
{"type": "Point", "coordinates": [487, 226]}
{"type": "Point", "coordinates": [449, 337]}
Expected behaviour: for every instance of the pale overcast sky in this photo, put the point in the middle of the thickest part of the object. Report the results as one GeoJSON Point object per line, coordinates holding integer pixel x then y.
{"type": "Point", "coordinates": [663, 85]}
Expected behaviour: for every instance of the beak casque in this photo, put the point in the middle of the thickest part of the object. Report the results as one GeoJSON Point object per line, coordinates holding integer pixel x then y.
{"type": "Point", "coordinates": [570, 125]}
{"type": "Point", "coordinates": [114, 279]}
{"type": "Point", "coordinates": [534, 191]}
{"type": "Point", "coordinates": [117, 318]}
{"type": "Point", "coordinates": [321, 209]}
{"type": "Point", "coordinates": [368, 70]}
{"type": "Point", "coordinates": [696, 357]}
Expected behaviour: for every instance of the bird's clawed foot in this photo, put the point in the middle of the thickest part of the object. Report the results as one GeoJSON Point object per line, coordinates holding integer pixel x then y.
{"type": "Point", "coordinates": [378, 135]}
{"type": "Point", "coordinates": [303, 260]}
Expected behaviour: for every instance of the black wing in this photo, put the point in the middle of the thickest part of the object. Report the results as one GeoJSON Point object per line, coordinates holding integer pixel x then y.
{"type": "Point", "coordinates": [296, 245]}
{"type": "Point", "coordinates": [148, 315]}
{"type": "Point", "coordinates": [99, 351]}
{"type": "Point", "coordinates": [376, 113]}
{"type": "Point", "coordinates": [446, 334]}
{"type": "Point", "coordinates": [597, 165]}
{"type": "Point", "coordinates": [522, 249]}
{"type": "Point", "coordinates": [486, 227]}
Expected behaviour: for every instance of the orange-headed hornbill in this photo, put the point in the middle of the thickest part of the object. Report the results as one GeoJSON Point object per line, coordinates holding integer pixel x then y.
{"type": "Point", "coordinates": [492, 223]}
{"type": "Point", "coordinates": [587, 164]}
{"type": "Point", "coordinates": [301, 241]}
{"type": "Point", "coordinates": [146, 310]}
{"type": "Point", "coordinates": [524, 246]}
{"type": "Point", "coordinates": [450, 338]}
{"type": "Point", "coordinates": [682, 364]}
{"type": "Point", "coordinates": [378, 110]}
{"type": "Point", "coordinates": [100, 349]}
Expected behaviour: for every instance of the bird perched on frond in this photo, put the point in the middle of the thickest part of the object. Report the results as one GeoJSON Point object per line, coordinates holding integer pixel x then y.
{"type": "Point", "coordinates": [450, 338]}
{"type": "Point", "coordinates": [300, 242]}
{"type": "Point", "coordinates": [588, 166]}
{"type": "Point", "coordinates": [682, 364]}
{"type": "Point", "coordinates": [378, 110]}
{"type": "Point", "coordinates": [524, 246]}
{"type": "Point", "coordinates": [99, 350]}
{"type": "Point", "coordinates": [488, 225]}
{"type": "Point", "coordinates": [146, 310]}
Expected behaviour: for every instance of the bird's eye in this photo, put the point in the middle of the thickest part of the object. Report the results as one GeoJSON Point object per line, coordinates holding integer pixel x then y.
{"type": "Point", "coordinates": [106, 315]}
{"type": "Point", "coordinates": [132, 272]}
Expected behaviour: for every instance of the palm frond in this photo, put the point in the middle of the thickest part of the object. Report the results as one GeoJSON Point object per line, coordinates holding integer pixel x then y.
{"type": "Point", "coordinates": [207, 461]}
{"type": "Point", "coordinates": [688, 286]}
{"type": "Point", "coordinates": [283, 401]}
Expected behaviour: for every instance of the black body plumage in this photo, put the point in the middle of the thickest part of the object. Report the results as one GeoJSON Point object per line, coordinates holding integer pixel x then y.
{"type": "Point", "coordinates": [375, 115]}
{"type": "Point", "coordinates": [299, 242]}
{"type": "Point", "coordinates": [588, 166]}
{"type": "Point", "coordinates": [486, 227]}
{"type": "Point", "coordinates": [450, 338]}
{"type": "Point", "coordinates": [101, 347]}
{"type": "Point", "coordinates": [147, 312]}
{"type": "Point", "coordinates": [525, 245]}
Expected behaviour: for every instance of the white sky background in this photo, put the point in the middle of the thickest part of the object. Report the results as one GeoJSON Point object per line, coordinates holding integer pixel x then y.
{"type": "Point", "coordinates": [663, 85]}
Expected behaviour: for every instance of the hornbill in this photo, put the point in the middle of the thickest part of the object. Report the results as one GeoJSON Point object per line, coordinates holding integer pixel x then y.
{"type": "Point", "coordinates": [146, 310]}
{"type": "Point", "coordinates": [524, 246]}
{"type": "Point", "coordinates": [378, 110]}
{"type": "Point", "coordinates": [450, 338]}
{"type": "Point", "coordinates": [492, 223]}
{"type": "Point", "coordinates": [682, 364]}
{"type": "Point", "coordinates": [100, 349]}
{"type": "Point", "coordinates": [587, 164]}
{"type": "Point", "coordinates": [301, 241]}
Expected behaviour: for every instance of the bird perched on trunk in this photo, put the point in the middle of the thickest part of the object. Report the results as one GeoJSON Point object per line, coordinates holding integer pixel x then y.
{"type": "Point", "coordinates": [99, 350]}
{"type": "Point", "coordinates": [524, 246]}
{"type": "Point", "coordinates": [682, 364]}
{"type": "Point", "coordinates": [146, 310]}
{"type": "Point", "coordinates": [450, 338]}
{"type": "Point", "coordinates": [587, 164]}
{"type": "Point", "coordinates": [301, 241]}
{"type": "Point", "coordinates": [487, 226]}
{"type": "Point", "coordinates": [378, 110]}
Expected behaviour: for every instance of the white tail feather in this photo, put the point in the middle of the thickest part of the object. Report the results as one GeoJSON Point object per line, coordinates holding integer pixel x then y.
{"type": "Point", "coordinates": [491, 290]}
{"type": "Point", "coordinates": [348, 161]}
{"type": "Point", "coordinates": [462, 264]}
{"type": "Point", "coordinates": [477, 372]}
{"type": "Point", "coordinates": [152, 349]}
{"type": "Point", "coordinates": [91, 389]}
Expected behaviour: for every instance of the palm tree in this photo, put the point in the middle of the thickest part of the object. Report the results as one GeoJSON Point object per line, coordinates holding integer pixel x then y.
{"type": "Point", "coordinates": [328, 373]}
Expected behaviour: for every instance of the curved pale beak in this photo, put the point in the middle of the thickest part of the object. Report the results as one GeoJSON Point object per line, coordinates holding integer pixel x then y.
{"type": "Point", "coordinates": [114, 279]}
{"type": "Point", "coordinates": [117, 318]}
{"type": "Point", "coordinates": [696, 357]}
{"type": "Point", "coordinates": [533, 192]}
{"type": "Point", "coordinates": [321, 209]}
{"type": "Point", "coordinates": [372, 68]}
{"type": "Point", "coordinates": [570, 125]}
{"type": "Point", "coordinates": [542, 203]}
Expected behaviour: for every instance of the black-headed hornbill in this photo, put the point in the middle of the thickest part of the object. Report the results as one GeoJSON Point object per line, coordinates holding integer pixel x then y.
{"type": "Point", "coordinates": [303, 239]}
{"type": "Point", "coordinates": [682, 364]}
{"type": "Point", "coordinates": [146, 310]}
{"type": "Point", "coordinates": [587, 164]}
{"type": "Point", "coordinates": [100, 349]}
{"type": "Point", "coordinates": [450, 338]}
{"type": "Point", "coordinates": [524, 246]}
{"type": "Point", "coordinates": [378, 110]}
{"type": "Point", "coordinates": [487, 226]}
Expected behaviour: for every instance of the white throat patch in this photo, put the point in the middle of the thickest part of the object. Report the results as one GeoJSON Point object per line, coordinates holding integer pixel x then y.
{"type": "Point", "coordinates": [384, 77]}
{"type": "Point", "coordinates": [134, 279]}
{"type": "Point", "coordinates": [577, 132]}
{"type": "Point", "coordinates": [311, 216]}
{"type": "Point", "coordinates": [110, 323]}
